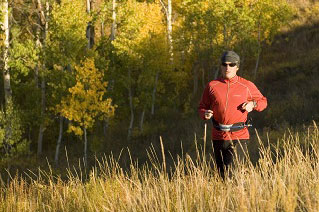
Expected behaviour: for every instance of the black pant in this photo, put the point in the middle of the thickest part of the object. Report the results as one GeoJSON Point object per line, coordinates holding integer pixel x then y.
{"type": "Point", "coordinates": [227, 151]}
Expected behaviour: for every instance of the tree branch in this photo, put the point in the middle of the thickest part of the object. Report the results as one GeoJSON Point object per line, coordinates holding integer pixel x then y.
{"type": "Point", "coordinates": [164, 7]}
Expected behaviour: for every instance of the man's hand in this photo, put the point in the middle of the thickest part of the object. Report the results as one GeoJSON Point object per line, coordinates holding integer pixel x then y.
{"type": "Point", "coordinates": [249, 106]}
{"type": "Point", "coordinates": [208, 114]}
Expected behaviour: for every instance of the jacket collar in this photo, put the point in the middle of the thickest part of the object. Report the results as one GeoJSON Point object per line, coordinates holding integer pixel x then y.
{"type": "Point", "coordinates": [232, 80]}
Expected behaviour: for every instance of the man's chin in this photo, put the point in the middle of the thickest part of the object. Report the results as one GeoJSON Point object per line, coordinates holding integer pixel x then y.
{"type": "Point", "coordinates": [228, 76]}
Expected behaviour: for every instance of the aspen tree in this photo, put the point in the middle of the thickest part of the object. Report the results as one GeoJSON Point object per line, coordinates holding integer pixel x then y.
{"type": "Point", "coordinates": [167, 7]}
{"type": "Point", "coordinates": [268, 16]}
{"type": "Point", "coordinates": [112, 37]}
{"type": "Point", "coordinates": [168, 13]}
{"type": "Point", "coordinates": [139, 30]}
{"type": "Point", "coordinates": [66, 44]}
{"type": "Point", "coordinates": [6, 71]}
{"type": "Point", "coordinates": [107, 15]}
{"type": "Point", "coordinates": [210, 27]}
{"type": "Point", "coordinates": [86, 101]}
{"type": "Point", "coordinates": [114, 24]}
{"type": "Point", "coordinates": [43, 23]}
{"type": "Point", "coordinates": [90, 26]}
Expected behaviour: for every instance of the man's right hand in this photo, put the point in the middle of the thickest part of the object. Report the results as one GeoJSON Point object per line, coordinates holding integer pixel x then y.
{"type": "Point", "coordinates": [208, 114]}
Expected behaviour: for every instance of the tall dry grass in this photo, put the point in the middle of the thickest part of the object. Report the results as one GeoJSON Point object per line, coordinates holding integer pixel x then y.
{"type": "Point", "coordinates": [286, 178]}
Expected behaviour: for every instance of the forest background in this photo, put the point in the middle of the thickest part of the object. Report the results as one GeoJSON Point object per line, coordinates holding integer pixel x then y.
{"type": "Point", "coordinates": [85, 79]}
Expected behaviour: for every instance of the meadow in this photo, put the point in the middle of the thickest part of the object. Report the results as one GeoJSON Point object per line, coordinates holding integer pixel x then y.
{"type": "Point", "coordinates": [285, 178]}
{"type": "Point", "coordinates": [43, 168]}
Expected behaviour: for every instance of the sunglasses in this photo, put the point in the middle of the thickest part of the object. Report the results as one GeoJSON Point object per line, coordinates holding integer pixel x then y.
{"type": "Point", "coordinates": [230, 64]}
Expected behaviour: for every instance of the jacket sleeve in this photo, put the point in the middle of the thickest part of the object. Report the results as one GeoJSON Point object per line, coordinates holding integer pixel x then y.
{"type": "Point", "coordinates": [255, 94]}
{"type": "Point", "coordinates": [205, 102]}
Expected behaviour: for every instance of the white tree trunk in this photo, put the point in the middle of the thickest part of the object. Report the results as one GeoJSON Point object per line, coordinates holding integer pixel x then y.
{"type": "Point", "coordinates": [225, 36]}
{"type": "Point", "coordinates": [105, 127]}
{"type": "Point", "coordinates": [42, 128]}
{"type": "Point", "coordinates": [6, 71]}
{"type": "Point", "coordinates": [257, 63]}
{"type": "Point", "coordinates": [90, 37]}
{"type": "Point", "coordinates": [85, 148]}
{"type": "Point", "coordinates": [114, 26]}
{"type": "Point", "coordinates": [102, 29]}
{"type": "Point", "coordinates": [170, 28]}
{"type": "Point", "coordinates": [195, 79]}
{"type": "Point", "coordinates": [130, 128]}
{"type": "Point", "coordinates": [36, 76]}
{"type": "Point", "coordinates": [168, 13]}
{"type": "Point", "coordinates": [111, 82]}
{"type": "Point", "coordinates": [88, 6]}
{"type": "Point", "coordinates": [154, 94]}
{"type": "Point", "coordinates": [45, 25]}
{"type": "Point", "coordinates": [47, 8]}
{"type": "Point", "coordinates": [41, 13]}
{"type": "Point", "coordinates": [37, 68]}
{"type": "Point", "coordinates": [142, 119]}
{"type": "Point", "coordinates": [57, 150]}
{"type": "Point", "coordinates": [112, 37]}
{"type": "Point", "coordinates": [90, 27]}
{"type": "Point", "coordinates": [259, 52]}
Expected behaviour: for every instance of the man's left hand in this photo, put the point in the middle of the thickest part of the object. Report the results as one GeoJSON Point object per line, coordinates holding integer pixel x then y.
{"type": "Point", "coordinates": [248, 106]}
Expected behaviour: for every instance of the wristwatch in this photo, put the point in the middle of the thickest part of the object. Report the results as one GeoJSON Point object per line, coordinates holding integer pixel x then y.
{"type": "Point", "coordinates": [255, 103]}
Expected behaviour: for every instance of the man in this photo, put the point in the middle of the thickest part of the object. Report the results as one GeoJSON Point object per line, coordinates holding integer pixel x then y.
{"type": "Point", "coordinates": [227, 101]}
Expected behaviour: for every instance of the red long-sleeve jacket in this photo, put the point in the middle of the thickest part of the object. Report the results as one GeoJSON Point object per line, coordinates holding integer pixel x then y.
{"type": "Point", "coordinates": [225, 98]}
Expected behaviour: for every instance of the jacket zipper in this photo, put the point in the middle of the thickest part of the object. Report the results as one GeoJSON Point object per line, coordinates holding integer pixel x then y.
{"type": "Point", "coordinates": [226, 97]}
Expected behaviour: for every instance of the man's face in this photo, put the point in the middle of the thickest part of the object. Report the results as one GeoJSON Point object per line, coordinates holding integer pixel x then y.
{"type": "Point", "coordinates": [229, 70]}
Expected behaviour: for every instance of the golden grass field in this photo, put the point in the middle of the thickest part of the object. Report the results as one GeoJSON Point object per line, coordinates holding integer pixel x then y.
{"type": "Point", "coordinates": [286, 178]}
